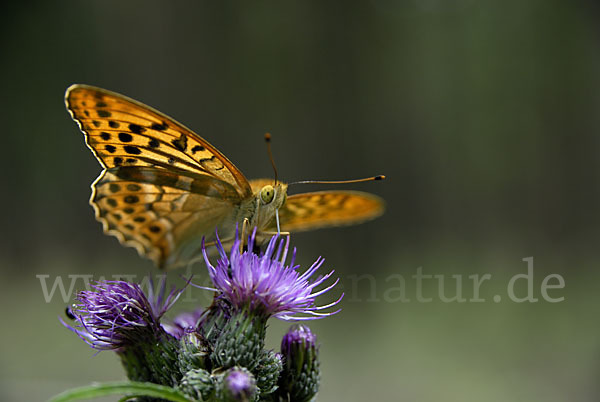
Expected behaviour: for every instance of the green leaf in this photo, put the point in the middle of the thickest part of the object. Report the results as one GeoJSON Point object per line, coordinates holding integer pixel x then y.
{"type": "Point", "coordinates": [121, 387]}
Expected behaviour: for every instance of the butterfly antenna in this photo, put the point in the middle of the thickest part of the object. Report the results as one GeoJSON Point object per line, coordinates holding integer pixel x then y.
{"type": "Point", "coordinates": [268, 141]}
{"type": "Point", "coordinates": [372, 178]}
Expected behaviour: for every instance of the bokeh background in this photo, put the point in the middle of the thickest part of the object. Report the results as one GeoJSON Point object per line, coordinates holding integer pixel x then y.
{"type": "Point", "coordinates": [483, 115]}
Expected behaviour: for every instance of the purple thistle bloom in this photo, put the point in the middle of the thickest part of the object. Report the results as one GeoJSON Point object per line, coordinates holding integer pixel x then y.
{"type": "Point", "coordinates": [112, 315]}
{"type": "Point", "coordinates": [265, 284]}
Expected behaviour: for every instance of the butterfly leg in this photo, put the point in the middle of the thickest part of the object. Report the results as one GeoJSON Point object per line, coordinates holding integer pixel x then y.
{"type": "Point", "coordinates": [245, 226]}
{"type": "Point", "coordinates": [269, 233]}
{"type": "Point", "coordinates": [282, 234]}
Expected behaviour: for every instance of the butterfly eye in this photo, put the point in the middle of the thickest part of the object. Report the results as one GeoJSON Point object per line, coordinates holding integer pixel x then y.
{"type": "Point", "coordinates": [266, 194]}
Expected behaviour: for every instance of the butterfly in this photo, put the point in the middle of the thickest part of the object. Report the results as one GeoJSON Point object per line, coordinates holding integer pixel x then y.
{"type": "Point", "coordinates": [163, 187]}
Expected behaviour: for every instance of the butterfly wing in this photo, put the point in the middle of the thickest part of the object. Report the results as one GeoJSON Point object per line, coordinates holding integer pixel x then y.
{"type": "Point", "coordinates": [123, 132]}
{"type": "Point", "coordinates": [162, 214]}
{"type": "Point", "coordinates": [320, 209]}
{"type": "Point", "coordinates": [163, 186]}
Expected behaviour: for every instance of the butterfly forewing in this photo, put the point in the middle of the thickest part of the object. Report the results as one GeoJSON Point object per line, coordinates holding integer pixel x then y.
{"type": "Point", "coordinates": [124, 132]}
{"type": "Point", "coordinates": [320, 209]}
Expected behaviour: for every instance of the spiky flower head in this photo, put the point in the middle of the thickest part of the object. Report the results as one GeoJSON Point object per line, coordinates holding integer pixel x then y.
{"type": "Point", "coordinates": [265, 285]}
{"type": "Point", "coordinates": [112, 314]}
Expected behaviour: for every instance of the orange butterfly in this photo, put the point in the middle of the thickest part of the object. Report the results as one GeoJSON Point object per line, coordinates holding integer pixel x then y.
{"type": "Point", "coordinates": [164, 187]}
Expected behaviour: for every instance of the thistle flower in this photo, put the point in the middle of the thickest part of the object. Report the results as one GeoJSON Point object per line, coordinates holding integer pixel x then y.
{"type": "Point", "coordinates": [217, 353]}
{"type": "Point", "coordinates": [265, 285]}
{"type": "Point", "coordinates": [115, 313]}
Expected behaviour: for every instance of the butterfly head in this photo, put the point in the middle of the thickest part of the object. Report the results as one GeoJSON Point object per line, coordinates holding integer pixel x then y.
{"type": "Point", "coordinates": [269, 199]}
{"type": "Point", "coordinates": [272, 197]}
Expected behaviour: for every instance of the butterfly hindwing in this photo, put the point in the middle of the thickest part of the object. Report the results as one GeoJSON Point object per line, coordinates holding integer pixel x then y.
{"type": "Point", "coordinates": [156, 211]}
{"type": "Point", "coordinates": [307, 211]}
{"type": "Point", "coordinates": [123, 132]}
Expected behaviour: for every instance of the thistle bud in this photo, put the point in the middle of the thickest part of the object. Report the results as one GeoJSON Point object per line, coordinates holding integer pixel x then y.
{"type": "Point", "coordinates": [239, 385]}
{"type": "Point", "coordinates": [193, 352]}
{"type": "Point", "coordinates": [301, 372]}
{"type": "Point", "coordinates": [268, 371]}
{"type": "Point", "coordinates": [198, 384]}
{"type": "Point", "coordinates": [240, 342]}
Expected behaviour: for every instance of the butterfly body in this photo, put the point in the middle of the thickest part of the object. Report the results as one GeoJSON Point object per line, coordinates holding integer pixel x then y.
{"type": "Point", "coordinates": [164, 188]}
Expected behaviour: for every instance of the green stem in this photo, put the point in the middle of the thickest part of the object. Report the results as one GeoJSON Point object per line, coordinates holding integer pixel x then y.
{"type": "Point", "coordinates": [121, 387]}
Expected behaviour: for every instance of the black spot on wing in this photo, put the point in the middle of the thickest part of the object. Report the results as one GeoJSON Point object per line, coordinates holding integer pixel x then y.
{"type": "Point", "coordinates": [159, 127]}
{"type": "Point", "coordinates": [125, 137]}
{"type": "Point", "coordinates": [105, 136]}
{"type": "Point", "coordinates": [113, 124]}
{"type": "Point", "coordinates": [180, 143]}
{"type": "Point", "coordinates": [111, 149]}
{"type": "Point", "coordinates": [104, 113]}
{"type": "Point", "coordinates": [132, 199]}
{"type": "Point", "coordinates": [153, 143]}
{"type": "Point", "coordinates": [136, 128]}
{"type": "Point", "coordinates": [198, 148]}
{"type": "Point", "coordinates": [130, 149]}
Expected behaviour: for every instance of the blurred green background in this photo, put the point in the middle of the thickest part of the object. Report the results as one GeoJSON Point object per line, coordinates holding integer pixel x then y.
{"type": "Point", "coordinates": [483, 115]}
